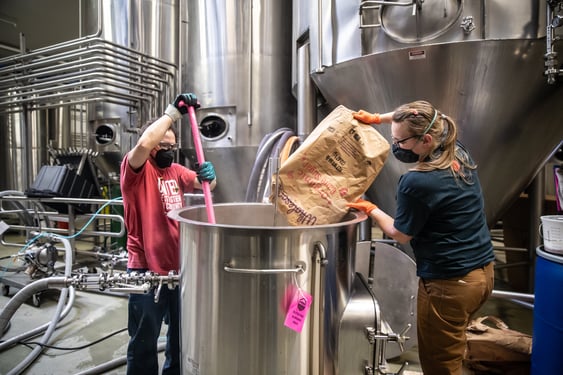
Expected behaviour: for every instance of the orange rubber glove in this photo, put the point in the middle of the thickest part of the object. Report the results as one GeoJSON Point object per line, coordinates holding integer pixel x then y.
{"type": "Point", "coordinates": [362, 205]}
{"type": "Point", "coordinates": [366, 117]}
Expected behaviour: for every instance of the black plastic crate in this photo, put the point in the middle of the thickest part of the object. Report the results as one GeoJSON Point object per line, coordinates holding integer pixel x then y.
{"type": "Point", "coordinates": [61, 181]}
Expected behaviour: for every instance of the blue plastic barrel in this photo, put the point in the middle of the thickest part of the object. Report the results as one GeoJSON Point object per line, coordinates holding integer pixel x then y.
{"type": "Point", "coordinates": [547, 337]}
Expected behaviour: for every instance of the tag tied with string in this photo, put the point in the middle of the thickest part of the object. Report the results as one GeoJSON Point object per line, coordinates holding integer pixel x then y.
{"type": "Point", "coordinates": [298, 309]}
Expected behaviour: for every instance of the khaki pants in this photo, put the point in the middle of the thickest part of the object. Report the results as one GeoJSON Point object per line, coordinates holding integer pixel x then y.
{"type": "Point", "coordinates": [444, 308]}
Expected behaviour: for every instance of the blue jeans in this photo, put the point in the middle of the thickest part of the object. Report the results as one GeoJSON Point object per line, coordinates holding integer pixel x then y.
{"type": "Point", "coordinates": [144, 325]}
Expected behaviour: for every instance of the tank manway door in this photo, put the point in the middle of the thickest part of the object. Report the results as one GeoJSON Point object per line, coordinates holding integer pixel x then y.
{"type": "Point", "coordinates": [362, 323]}
{"type": "Point", "coordinates": [421, 22]}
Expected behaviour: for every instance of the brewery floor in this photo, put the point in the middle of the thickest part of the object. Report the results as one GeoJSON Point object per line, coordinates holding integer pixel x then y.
{"type": "Point", "coordinates": [94, 331]}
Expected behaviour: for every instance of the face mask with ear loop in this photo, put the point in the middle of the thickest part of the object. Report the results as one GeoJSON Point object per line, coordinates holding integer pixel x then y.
{"type": "Point", "coordinates": [408, 156]}
{"type": "Point", "coordinates": [164, 158]}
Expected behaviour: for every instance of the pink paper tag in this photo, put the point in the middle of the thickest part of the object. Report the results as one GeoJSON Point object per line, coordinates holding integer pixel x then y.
{"type": "Point", "coordinates": [298, 310]}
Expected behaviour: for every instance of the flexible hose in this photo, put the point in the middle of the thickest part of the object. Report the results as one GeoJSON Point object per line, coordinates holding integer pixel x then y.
{"type": "Point", "coordinates": [110, 365]}
{"type": "Point", "coordinates": [290, 146]}
{"type": "Point", "coordinates": [36, 331]}
{"type": "Point", "coordinates": [253, 179]}
{"type": "Point", "coordinates": [265, 181]}
{"type": "Point", "coordinates": [28, 291]}
{"type": "Point", "coordinates": [261, 158]}
{"type": "Point", "coordinates": [261, 165]}
{"type": "Point", "coordinates": [45, 339]}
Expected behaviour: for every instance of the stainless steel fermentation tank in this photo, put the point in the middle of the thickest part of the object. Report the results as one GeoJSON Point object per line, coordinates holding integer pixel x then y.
{"type": "Point", "coordinates": [238, 277]}
{"type": "Point", "coordinates": [237, 57]}
{"type": "Point", "coordinates": [480, 62]}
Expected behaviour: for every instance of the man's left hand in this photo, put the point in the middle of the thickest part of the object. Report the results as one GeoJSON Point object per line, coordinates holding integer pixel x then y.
{"type": "Point", "coordinates": [206, 172]}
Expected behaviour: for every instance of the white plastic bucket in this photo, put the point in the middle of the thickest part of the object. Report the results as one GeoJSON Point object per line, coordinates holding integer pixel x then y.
{"type": "Point", "coordinates": [552, 233]}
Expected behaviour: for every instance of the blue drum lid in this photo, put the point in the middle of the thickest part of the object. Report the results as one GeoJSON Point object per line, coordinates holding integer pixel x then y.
{"type": "Point", "coordinates": [540, 251]}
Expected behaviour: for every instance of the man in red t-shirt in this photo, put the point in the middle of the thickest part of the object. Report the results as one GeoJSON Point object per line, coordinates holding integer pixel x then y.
{"type": "Point", "coordinates": [152, 185]}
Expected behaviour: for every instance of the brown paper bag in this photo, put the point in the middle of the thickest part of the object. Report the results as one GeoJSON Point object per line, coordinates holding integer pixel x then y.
{"type": "Point", "coordinates": [335, 165]}
{"type": "Point", "coordinates": [497, 350]}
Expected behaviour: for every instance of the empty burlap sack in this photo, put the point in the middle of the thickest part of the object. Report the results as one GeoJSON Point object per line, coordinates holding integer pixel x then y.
{"type": "Point", "coordinates": [497, 350]}
{"type": "Point", "coordinates": [335, 165]}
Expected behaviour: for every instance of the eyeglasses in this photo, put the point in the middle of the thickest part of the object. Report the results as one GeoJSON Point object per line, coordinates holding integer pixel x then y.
{"type": "Point", "coordinates": [168, 146]}
{"type": "Point", "coordinates": [401, 141]}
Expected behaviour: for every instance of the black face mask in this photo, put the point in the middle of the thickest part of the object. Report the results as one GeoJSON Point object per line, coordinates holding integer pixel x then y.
{"type": "Point", "coordinates": [164, 158]}
{"type": "Point", "coordinates": [406, 156]}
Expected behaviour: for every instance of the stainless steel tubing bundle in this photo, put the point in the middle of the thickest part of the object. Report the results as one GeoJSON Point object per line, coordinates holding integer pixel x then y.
{"type": "Point", "coordinates": [87, 69]}
{"type": "Point", "coordinates": [83, 72]}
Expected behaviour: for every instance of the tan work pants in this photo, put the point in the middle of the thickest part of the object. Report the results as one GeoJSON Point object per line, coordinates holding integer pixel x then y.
{"type": "Point", "coordinates": [444, 308]}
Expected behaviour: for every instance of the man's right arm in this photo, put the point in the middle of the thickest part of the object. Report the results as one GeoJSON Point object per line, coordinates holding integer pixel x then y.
{"type": "Point", "coordinates": [149, 140]}
{"type": "Point", "coordinates": [156, 131]}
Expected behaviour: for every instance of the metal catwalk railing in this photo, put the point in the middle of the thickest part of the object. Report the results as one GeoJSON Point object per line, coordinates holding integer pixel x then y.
{"type": "Point", "coordinates": [33, 215]}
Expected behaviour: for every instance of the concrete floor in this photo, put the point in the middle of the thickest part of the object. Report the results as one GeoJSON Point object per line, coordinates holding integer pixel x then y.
{"type": "Point", "coordinates": [97, 322]}
{"type": "Point", "coordinates": [93, 317]}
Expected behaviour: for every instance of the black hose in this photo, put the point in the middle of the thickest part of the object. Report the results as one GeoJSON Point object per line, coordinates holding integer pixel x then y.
{"type": "Point", "coordinates": [110, 365]}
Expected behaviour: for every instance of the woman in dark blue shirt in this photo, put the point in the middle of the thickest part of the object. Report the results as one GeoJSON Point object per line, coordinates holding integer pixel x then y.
{"type": "Point", "coordinates": [440, 211]}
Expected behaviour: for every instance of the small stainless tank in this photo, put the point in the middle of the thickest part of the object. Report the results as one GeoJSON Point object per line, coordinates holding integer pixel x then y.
{"type": "Point", "coordinates": [237, 280]}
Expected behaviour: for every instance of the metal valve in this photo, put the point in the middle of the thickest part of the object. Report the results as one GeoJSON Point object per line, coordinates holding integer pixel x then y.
{"type": "Point", "coordinates": [400, 338]}
{"type": "Point", "coordinates": [125, 288]}
{"type": "Point", "coordinates": [133, 282]}
{"type": "Point", "coordinates": [373, 336]}
{"type": "Point", "coordinates": [157, 292]}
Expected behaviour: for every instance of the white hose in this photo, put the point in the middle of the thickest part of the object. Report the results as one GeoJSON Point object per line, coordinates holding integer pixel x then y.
{"type": "Point", "coordinates": [36, 331]}
{"type": "Point", "coordinates": [27, 292]}
{"type": "Point", "coordinates": [45, 339]}
{"type": "Point", "coordinates": [263, 153]}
